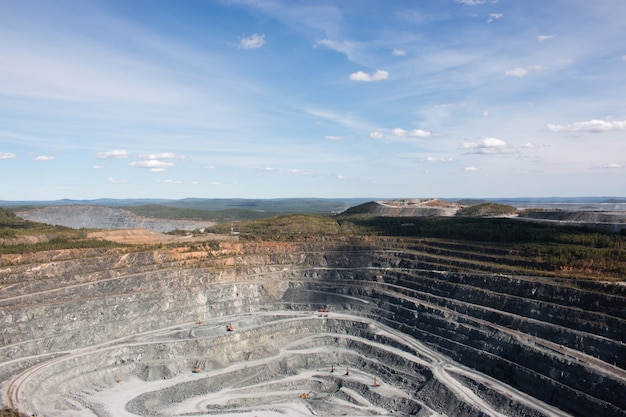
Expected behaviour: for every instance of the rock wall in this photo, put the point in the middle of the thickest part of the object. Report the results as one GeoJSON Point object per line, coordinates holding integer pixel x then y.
{"type": "Point", "coordinates": [450, 342]}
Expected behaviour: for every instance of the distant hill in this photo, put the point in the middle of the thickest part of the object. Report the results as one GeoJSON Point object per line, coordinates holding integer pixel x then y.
{"type": "Point", "coordinates": [276, 205]}
{"type": "Point", "coordinates": [170, 215]}
{"type": "Point", "coordinates": [406, 207]}
{"type": "Point", "coordinates": [94, 217]}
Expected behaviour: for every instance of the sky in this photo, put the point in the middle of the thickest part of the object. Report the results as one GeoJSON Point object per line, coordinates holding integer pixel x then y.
{"type": "Point", "coordinates": [328, 99]}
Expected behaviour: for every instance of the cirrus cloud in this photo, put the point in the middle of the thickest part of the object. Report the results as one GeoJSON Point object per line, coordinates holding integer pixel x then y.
{"type": "Point", "coordinates": [592, 126]}
{"type": "Point", "coordinates": [43, 158]}
{"type": "Point", "coordinates": [377, 75]}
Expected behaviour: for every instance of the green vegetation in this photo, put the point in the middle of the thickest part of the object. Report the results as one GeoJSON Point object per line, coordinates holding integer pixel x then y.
{"type": "Point", "coordinates": [288, 227]}
{"type": "Point", "coordinates": [51, 237]}
{"type": "Point", "coordinates": [13, 226]}
{"type": "Point", "coordinates": [230, 210]}
{"type": "Point", "coordinates": [558, 247]}
{"type": "Point", "coordinates": [58, 243]}
{"type": "Point", "coordinates": [218, 216]}
{"type": "Point", "coordinates": [545, 246]}
{"type": "Point", "coordinates": [487, 210]}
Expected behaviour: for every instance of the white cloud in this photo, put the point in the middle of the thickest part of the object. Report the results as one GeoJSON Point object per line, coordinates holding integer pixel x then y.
{"type": "Point", "coordinates": [432, 159]}
{"type": "Point", "coordinates": [164, 155]}
{"type": "Point", "coordinates": [494, 16]}
{"type": "Point", "coordinates": [609, 166]}
{"type": "Point", "coordinates": [517, 72]}
{"type": "Point", "coordinates": [254, 41]}
{"type": "Point", "coordinates": [170, 181]}
{"type": "Point", "coordinates": [7, 155]}
{"type": "Point", "coordinates": [623, 57]}
{"type": "Point", "coordinates": [593, 126]}
{"type": "Point", "coordinates": [43, 158]}
{"type": "Point", "coordinates": [471, 2]}
{"type": "Point", "coordinates": [528, 145]}
{"type": "Point", "coordinates": [377, 75]}
{"type": "Point", "coordinates": [209, 167]}
{"type": "Point", "coordinates": [487, 146]}
{"type": "Point", "coordinates": [97, 167]}
{"type": "Point", "coordinates": [399, 52]}
{"type": "Point", "coordinates": [377, 135]}
{"type": "Point", "coordinates": [299, 172]}
{"type": "Point", "coordinates": [522, 72]}
{"type": "Point", "coordinates": [153, 164]}
{"type": "Point", "coordinates": [543, 38]}
{"type": "Point", "coordinates": [111, 180]}
{"type": "Point", "coordinates": [470, 169]}
{"type": "Point", "coordinates": [417, 133]}
{"type": "Point", "coordinates": [334, 138]}
{"type": "Point", "coordinates": [118, 153]}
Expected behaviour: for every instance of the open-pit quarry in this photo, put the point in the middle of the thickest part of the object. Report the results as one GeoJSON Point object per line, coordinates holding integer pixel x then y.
{"type": "Point", "coordinates": [355, 326]}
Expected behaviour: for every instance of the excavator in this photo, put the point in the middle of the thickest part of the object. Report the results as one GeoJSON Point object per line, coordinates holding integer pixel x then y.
{"type": "Point", "coordinates": [230, 328]}
{"type": "Point", "coordinates": [196, 369]}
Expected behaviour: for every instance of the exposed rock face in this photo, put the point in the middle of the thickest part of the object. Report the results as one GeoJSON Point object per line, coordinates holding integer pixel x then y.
{"type": "Point", "coordinates": [119, 334]}
{"type": "Point", "coordinates": [407, 207]}
{"type": "Point", "coordinates": [614, 221]}
{"type": "Point", "coordinates": [94, 217]}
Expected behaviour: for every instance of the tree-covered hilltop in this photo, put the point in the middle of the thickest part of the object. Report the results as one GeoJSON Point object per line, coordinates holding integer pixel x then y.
{"type": "Point", "coordinates": [487, 210]}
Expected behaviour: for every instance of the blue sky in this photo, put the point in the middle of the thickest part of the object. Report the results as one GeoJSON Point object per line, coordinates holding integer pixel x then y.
{"type": "Point", "coordinates": [351, 98]}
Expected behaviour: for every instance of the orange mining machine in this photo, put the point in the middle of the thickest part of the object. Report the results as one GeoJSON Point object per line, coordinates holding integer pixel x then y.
{"type": "Point", "coordinates": [196, 369]}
